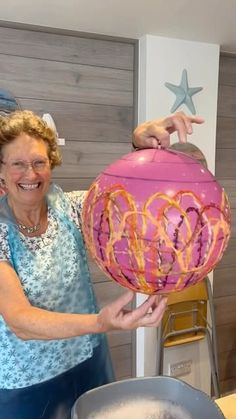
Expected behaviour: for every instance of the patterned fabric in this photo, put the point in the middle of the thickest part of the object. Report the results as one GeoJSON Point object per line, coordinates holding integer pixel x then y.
{"type": "Point", "coordinates": [54, 275]}
{"type": "Point", "coordinates": [54, 398]}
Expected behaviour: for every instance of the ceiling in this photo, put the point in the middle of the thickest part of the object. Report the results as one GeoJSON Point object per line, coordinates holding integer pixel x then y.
{"type": "Point", "coordinates": [211, 21]}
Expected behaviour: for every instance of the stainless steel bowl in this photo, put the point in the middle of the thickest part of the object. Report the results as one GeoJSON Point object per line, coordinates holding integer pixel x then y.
{"type": "Point", "coordinates": [162, 388]}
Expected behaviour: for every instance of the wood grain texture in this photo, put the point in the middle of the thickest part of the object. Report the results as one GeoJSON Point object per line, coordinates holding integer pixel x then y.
{"type": "Point", "coordinates": [227, 101]}
{"type": "Point", "coordinates": [226, 343]}
{"type": "Point", "coordinates": [224, 288]}
{"type": "Point", "coordinates": [224, 282]}
{"type": "Point", "coordinates": [121, 356]}
{"type": "Point", "coordinates": [227, 74]}
{"type": "Point", "coordinates": [86, 122]}
{"type": "Point", "coordinates": [233, 222]}
{"type": "Point", "coordinates": [96, 273]}
{"type": "Point", "coordinates": [73, 184]}
{"type": "Point", "coordinates": [228, 385]}
{"type": "Point", "coordinates": [88, 159]}
{"type": "Point", "coordinates": [107, 290]}
{"type": "Point", "coordinates": [119, 338]}
{"type": "Point", "coordinates": [66, 82]}
{"type": "Point", "coordinates": [226, 132]}
{"type": "Point", "coordinates": [71, 49]}
{"type": "Point", "coordinates": [227, 365]}
{"type": "Point", "coordinates": [225, 163]}
{"type": "Point", "coordinates": [225, 310]}
{"type": "Point", "coordinates": [229, 258]}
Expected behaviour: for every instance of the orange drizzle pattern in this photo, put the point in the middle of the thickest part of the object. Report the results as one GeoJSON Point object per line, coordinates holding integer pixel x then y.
{"type": "Point", "coordinates": [168, 243]}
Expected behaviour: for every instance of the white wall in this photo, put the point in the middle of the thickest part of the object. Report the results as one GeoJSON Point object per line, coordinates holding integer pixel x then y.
{"type": "Point", "coordinates": [163, 60]}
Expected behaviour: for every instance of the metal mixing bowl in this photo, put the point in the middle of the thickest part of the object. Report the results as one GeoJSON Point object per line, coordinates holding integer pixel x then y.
{"type": "Point", "coordinates": [161, 388]}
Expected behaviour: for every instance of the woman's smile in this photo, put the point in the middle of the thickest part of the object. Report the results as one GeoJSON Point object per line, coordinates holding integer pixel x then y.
{"type": "Point", "coordinates": [29, 186]}
{"type": "Point", "coordinates": [26, 170]}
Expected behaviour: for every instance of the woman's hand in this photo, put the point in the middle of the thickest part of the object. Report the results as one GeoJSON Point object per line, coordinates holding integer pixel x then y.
{"type": "Point", "coordinates": [155, 133]}
{"type": "Point", "coordinates": [114, 316]}
{"type": "Point", "coordinates": [28, 322]}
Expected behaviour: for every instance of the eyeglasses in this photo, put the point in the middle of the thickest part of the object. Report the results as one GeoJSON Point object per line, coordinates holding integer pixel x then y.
{"type": "Point", "coordinates": [21, 166]}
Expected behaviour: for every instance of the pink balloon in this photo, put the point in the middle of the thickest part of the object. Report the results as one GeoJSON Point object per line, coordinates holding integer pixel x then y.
{"type": "Point", "coordinates": [156, 221]}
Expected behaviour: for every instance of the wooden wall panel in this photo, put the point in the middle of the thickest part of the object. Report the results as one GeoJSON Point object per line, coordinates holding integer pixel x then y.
{"type": "Point", "coordinates": [225, 273]}
{"type": "Point", "coordinates": [104, 290]}
{"type": "Point", "coordinates": [233, 220]}
{"type": "Point", "coordinates": [224, 281]}
{"type": "Point", "coordinates": [73, 184]}
{"type": "Point", "coordinates": [225, 310]}
{"type": "Point", "coordinates": [87, 159]}
{"type": "Point", "coordinates": [87, 85]}
{"type": "Point", "coordinates": [226, 130]}
{"type": "Point", "coordinates": [226, 343]}
{"type": "Point", "coordinates": [118, 338]}
{"type": "Point", "coordinates": [121, 360]}
{"type": "Point", "coordinates": [229, 258]}
{"type": "Point", "coordinates": [66, 82]}
{"type": "Point", "coordinates": [227, 101]}
{"type": "Point", "coordinates": [67, 48]}
{"type": "Point", "coordinates": [86, 122]}
{"type": "Point", "coordinates": [96, 272]}
{"type": "Point", "coordinates": [83, 161]}
{"type": "Point", "coordinates": [227, 75]}
{"type": "Point", "coordinates": [228, 366]}
{"type": "Point", "coordinates": [225, 162]}
{"type": "Point", "coordinates": [227, 385]}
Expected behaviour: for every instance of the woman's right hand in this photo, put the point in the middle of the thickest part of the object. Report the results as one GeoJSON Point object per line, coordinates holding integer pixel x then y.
{"type": "Point", "coordinates": [115, 316]}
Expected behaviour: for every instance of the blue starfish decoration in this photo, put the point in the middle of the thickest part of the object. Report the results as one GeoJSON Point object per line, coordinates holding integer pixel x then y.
{"type": "Point", "coordinates": [183, 93]}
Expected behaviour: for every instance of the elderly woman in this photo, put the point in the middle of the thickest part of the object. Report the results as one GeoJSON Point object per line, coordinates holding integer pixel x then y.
{"type": "Point", "coordinates": [52, 345]}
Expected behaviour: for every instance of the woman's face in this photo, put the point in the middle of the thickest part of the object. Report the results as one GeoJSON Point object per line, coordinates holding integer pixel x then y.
{"type": "Point", "coordinates": [26, 169]}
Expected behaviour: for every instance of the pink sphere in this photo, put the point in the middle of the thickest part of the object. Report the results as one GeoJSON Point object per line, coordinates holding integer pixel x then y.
{"type": "Point", "coordinates": [156, 221]}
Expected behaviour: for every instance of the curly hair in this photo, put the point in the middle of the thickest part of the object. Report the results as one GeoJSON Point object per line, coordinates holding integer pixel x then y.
{"type": "Point", "coordinates": [28, 122]}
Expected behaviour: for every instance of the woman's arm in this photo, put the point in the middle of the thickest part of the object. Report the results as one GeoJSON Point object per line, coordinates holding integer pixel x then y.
{"type": "Point", "coordinates": [29, 322]}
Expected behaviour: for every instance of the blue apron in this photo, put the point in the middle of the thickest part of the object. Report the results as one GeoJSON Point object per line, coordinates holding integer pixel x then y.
{"type": "Point", "coordinates": [34, 367]}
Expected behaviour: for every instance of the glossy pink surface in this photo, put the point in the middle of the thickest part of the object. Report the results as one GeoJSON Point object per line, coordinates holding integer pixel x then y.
{"type": "Point", "coordinates": [156, 221]}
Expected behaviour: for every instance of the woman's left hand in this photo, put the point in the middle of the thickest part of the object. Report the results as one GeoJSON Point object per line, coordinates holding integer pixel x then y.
{"type": "Point", "coordinates": [115, 316]}
{"type": "Point", "coordinates": [155, 133]}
